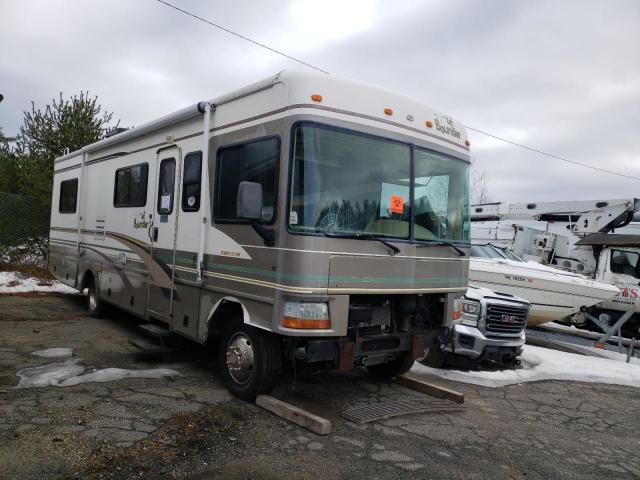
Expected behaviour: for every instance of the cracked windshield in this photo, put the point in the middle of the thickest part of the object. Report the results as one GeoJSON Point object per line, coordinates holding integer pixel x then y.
{"type": "Point", "coordinates": [348, 183]}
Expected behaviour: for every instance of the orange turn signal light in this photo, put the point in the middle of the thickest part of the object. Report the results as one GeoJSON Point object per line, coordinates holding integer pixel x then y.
{"type": "Point", "coordinates": [457, 314]}
{"type": "Point", "coordinates": [290, 322]}
{"type": "Point", "coordinates": [316, 98]}
{"type": "Point", "coordinates": [388, 111]}
{"type": "Point", "coordinates": [467, 143]}
{"type": "Point", "coordinates": [429, 123]}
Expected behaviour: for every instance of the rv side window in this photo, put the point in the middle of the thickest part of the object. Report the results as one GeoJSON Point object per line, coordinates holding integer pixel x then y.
{"type": "Point", "coordinates": [255, 161]}
{"type": "Point", "coordinates": [68, 196]}
{"type": "Point", "coordinates": [166, 186]}
{"type": "Point", "coordinates": [191, 182]}
{"type": "Point", "coordinates": [131, 186]}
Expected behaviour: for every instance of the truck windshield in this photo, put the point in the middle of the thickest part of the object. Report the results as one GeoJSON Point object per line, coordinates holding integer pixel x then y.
{"type": "Point", "coordinates": [345, 182]}
{"type": "Point", "coordinates": [492, 251]}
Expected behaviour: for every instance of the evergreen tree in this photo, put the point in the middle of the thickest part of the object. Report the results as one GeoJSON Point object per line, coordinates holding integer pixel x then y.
{"type": "Point", "coordinates": [65, 125]}
{"type": "Point", "coordinates": [8, 165]}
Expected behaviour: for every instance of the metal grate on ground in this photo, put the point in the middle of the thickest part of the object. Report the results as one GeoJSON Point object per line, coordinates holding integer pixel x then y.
{"type": "Point", "coordinates": [383, 410]}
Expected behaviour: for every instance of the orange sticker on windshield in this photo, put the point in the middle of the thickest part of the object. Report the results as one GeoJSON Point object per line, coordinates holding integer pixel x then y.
{"type": "Point", "coordinates": [397, 204]}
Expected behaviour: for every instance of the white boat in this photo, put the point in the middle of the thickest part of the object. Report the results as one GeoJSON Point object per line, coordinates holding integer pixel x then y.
{"type": "Point", "coordinates": [554, 294]}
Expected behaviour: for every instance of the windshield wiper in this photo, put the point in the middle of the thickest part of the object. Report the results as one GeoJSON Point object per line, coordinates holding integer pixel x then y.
{"type": "Point", "coordinates": [365, 236]}
{"type": "Point", "coordinates": [445, 243]}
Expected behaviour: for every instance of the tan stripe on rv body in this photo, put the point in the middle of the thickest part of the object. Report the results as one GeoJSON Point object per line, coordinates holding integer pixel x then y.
{"type": "Point", "coordinates": [395, 290]}
{"type": "Point", "coordinates": [360, 254]}
{"type": "Point", "coordinates": [253, 281]}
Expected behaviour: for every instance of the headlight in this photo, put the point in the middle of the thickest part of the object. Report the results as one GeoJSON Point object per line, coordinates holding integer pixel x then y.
{"type": "Point", "coordinates": [470, 308]}
{"type": "Point", "coordinates": [306, 315]}
{"type": "Point", "coordinates": [466, 312]}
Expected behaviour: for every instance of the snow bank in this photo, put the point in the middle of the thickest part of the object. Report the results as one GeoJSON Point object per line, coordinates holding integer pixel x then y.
{"type": "Point", "coordinates": [70, 373]}
{"type": "Point", "coordinates": [545, 364]}
{"type": "Point", "coordinates": [14, 282]}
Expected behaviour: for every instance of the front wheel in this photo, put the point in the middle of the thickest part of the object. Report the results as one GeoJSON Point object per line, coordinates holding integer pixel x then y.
{"type": "Point", "coordinates": [394, 368]}
{"type": "Point", "coordinates": [250, 360]}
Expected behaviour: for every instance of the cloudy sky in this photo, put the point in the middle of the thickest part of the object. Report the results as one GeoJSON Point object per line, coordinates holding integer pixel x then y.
{"type": "Point", "coordinates": [561, 76]}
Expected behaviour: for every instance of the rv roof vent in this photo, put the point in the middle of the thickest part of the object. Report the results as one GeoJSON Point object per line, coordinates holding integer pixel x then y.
{"type": "Point", "coordinates": [602, 204]}
{"type": "Point", "coordinates": [479, 209]}
{"type": "Point", "coordinates": [114, 131]}
{"type": "Point", "coordinates": [531, 206]}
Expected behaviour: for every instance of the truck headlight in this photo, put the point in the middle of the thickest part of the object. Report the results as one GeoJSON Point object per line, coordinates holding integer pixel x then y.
{"type": "Point", "coordinates": [306, 315]}
{"type": "Point", "coordinates": [466, 312]}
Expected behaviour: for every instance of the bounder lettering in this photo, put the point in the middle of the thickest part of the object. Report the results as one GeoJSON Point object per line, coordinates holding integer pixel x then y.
{"type": "Point", "coordinates": [445, 125]}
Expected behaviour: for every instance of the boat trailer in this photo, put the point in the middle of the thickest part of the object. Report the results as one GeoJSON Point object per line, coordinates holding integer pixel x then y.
{"type": "Point", "coordinates": [610, 339]}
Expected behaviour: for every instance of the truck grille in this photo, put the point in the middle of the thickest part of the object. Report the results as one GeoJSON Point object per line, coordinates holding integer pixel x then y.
{"type": "Point", "coordinates": [502, 319]}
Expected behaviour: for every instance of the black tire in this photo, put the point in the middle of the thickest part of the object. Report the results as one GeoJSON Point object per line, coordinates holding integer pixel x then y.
{"type": "Point", "coordinates": [266, 360]}
{"type": "Point", "coordinates": [435, 357]}
{"type": "Point", "coordinates": [394, 368]}
{"type": "Point", "coordinates": [95, 306]}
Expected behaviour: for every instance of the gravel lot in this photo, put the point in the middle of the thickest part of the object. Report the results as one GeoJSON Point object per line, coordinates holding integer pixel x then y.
{"type": "Point", "coordinates": [190, 427]}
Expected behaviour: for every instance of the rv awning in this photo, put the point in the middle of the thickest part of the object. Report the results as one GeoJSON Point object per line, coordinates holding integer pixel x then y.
{"type": "Point", "coordinates": [610, 239]}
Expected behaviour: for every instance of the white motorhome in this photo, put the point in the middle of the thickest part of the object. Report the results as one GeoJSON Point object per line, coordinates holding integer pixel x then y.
{"type": "Point", "coordinates": [303, 216]}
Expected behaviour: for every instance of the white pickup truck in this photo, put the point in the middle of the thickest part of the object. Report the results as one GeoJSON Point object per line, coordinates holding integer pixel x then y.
{"type": "Point", "coordinates": [488, 326]}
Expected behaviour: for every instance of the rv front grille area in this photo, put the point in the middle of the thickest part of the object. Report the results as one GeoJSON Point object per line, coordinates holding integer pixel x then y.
{"type": "Point", "coordinates": [380, 327]}
{"type": "Point", "coordinates": [394, 313]}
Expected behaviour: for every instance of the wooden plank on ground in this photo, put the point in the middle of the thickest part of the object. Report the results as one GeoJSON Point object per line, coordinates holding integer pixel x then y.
{"type": "Point", "coordinates": [430, 389]}
{"type": "Point", "coordinates": [296, 415]}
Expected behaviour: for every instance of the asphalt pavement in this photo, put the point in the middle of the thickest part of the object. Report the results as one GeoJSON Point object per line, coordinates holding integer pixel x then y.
{"type": "Point", "coordinates": [188, 426]}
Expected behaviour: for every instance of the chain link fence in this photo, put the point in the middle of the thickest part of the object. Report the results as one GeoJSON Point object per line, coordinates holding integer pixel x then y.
{"type": "Point", "coordinates": [24, 233]}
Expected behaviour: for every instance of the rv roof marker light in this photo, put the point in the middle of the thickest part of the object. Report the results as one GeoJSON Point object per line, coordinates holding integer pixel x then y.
{"type": "Point", "coordinates": [388, 111]}
{"type": "Point", "coordinates": [467, 143]}
{"type": "Point", "coordinates": [429, 123]}
{"type": "Point", "coordinates": [316, 98]}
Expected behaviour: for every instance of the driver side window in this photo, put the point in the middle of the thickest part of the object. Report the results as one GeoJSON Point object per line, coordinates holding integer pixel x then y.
{"type": "Point", "coordinates": [255, 161]}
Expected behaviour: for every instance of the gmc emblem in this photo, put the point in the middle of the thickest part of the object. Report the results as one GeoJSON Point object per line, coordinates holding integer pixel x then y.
{"type": "Point", "coordinates": [510, 319]}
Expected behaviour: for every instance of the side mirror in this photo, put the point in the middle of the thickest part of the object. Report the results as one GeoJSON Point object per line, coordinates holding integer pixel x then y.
{"type": "Point", "coordinates": [249, 202]}
{"type": "Point", "coordinates": [249, 207]}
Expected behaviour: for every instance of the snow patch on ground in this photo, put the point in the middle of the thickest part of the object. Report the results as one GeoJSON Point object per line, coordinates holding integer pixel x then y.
{"type": "Point", "coordinates": [545, 364]}
{"type": "Point", "coordinates": [14, 282]}
{"type": "Point", "coordinates": [113, 374]}
{"type": "Point", "coordinates": [54, 352]}
{"type": "Point", "coordinates": [70, 373]}
{"type": "Point", "coordinates": [46, 375]}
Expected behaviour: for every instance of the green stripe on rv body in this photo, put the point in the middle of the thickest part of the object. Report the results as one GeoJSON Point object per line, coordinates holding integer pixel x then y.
{"type": "Point", "coordinates": [85, 244]}
{"type": "Point", "coordinates": [167, 256]}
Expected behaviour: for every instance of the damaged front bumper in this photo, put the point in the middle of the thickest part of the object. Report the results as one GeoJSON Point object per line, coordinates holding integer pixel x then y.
{"type": "Point", "coordinates": [470, 342]}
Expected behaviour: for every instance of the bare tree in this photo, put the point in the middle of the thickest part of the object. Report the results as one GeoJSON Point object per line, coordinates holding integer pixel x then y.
{"type": "Point", "coordinates": [480, 188]}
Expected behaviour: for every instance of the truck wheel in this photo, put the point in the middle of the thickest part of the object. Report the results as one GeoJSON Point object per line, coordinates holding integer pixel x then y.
{"type": "Point", "coordinates": [394, 368]}
{"type": "Point", "coordinates": [94, 304]}
{"type": "Point", "coordinates": [250, 360]}
{"type": "Point", "coordinates": [435, 358]}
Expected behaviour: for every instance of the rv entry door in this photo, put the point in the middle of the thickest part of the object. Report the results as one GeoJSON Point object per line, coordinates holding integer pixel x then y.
{"type": "Point", "coordinates": [163, 233]}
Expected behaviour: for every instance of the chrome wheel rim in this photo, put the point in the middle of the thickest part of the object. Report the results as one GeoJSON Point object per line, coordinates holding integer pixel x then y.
{"type": "Point", "coordinates": [240, 358]}
{"type": "Point", "coordinates": [93, 301]}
